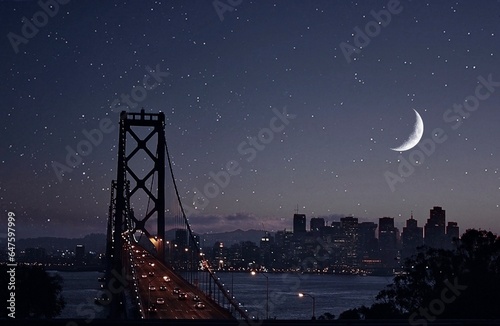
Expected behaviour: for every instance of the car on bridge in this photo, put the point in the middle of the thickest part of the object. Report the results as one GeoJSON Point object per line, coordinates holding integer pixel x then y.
{"type": "Point", "coordinates": [199, 305]}
{"type": "Point", "coordinates": [163, 288]}
{"type": "Point", "coordinates": [152, 288]}
{"type": "Point", "coordinates": [196, 298]}
{"type": "Point", "coordinates": [151, 274]}
{"type": "Point", "coordinates": [160, 301]}
{"type": "Point", "coordinates": [177, 290]}
{"type": "Point", "coordinates": [144, 276]}
{"type": "Point", "coordinates": [183, 296]}
{"type": "Point", "coordinates": [166, 278]}
{"type": "Point", "coordinates": [152, 308]}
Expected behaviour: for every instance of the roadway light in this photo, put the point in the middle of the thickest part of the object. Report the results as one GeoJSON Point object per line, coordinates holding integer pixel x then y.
{"type": "Point", "coordinates": [149, 296]}
{"type": "Point", "coordinates": [267, 291]}
{"type": "Point", "coordinates": [301, 295]}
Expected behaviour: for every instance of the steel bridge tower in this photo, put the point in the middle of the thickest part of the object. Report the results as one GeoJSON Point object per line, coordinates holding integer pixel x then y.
{"type": "Point", "coordinates": [156, 121]}
{"type": "Point", "coordinates": [133, 178]}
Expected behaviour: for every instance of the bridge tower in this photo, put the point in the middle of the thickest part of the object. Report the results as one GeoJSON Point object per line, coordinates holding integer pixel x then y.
{"type": "Point", "coordinates": [140, 172]}
{"type": "Point", "coordinates": [155, 124]}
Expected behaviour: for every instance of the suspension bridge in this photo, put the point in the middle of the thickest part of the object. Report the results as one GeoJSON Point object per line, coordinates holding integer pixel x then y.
{"type": "Point", "coordinates": [148, 276]}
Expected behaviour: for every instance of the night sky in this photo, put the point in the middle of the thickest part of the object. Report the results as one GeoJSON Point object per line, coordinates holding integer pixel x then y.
{"type": "Point", "coordinates": [221, 81]}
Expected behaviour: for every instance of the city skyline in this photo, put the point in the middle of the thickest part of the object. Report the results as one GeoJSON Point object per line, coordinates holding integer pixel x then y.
{"type": "Point", "coordinates": [306, 224]}
{"type": "Point", "coordinates": [346, 246]}
{"type": "Point", "coordinates": [308, 98]}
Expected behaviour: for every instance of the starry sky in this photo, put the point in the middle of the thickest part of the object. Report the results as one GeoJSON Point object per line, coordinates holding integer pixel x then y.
{"type": "Point", "coordinates": [225, 72]}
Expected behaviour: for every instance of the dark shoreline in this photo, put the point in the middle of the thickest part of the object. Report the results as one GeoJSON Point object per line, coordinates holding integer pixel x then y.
{"type": "Point", "coordinates": [74, 268]}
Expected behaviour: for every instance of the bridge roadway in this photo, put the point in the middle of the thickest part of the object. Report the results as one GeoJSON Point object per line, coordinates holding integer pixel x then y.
{"type": "Point", "coordinates": [150, 272]}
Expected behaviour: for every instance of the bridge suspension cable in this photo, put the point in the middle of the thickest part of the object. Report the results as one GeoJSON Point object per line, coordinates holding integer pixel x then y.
{"type": "Point", "coordinates": [204, 262]}
{"type": "Point", "coordinates": [123, 223]}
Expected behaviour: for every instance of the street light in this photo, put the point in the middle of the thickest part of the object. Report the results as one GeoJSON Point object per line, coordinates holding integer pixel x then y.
{"type": "Point", "coordinates": [267, 292]}
{"type": "Point", "coordinates": [168, 250]}
{"type": "Point", "coordinates": [232, 282]}
{"type": "Point", "coordinates": [186, 250]}
{"type": "Point", "coordinates": [149, 297]}
{"type": "Point", "coordinates": [312, 297]}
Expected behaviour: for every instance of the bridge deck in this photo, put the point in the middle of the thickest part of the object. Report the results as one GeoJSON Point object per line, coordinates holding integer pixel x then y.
{"type": "Point", "coordinates": [151, 272]}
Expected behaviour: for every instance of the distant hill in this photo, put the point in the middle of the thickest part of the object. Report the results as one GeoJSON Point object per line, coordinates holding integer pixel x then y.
{"type": "Point", "coordinates": [92, 242]}
{"type": "Point", "coordinates": [229, 238]}
{"type": "Point", "coordinates": [232, 237]}
{"type": "Point", "coordinates": [97, 242]}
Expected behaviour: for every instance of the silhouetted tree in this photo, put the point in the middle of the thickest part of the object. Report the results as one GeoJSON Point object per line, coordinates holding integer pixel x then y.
{"type": "Point", "coordinates": [326, 316]}
{"type": "Point", "coordinates": [37, 294]}
{"type": "Point", "coordinates": [352, 314]}
{"type": "Point", "coordinates": [481, 274]}
{"type": "Point", "coordinates": [380, 311]}
{"type": "Point", "coordinates": [436, 283]}
{"type": "Point", "coordinates": [422, 280]}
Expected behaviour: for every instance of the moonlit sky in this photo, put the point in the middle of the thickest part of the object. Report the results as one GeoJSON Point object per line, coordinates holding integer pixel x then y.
{"type": "Point", "coordinates": [225, 79]}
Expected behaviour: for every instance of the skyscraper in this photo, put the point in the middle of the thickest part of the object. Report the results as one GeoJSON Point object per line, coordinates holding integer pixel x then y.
{"type": "Point", "coordinates": [412, 238]}
{"type": "Point", "coordinates": [219, 254]}
{"type": "Point", "coordinates": [452, 233]}
{"type": "Point", "coordinates": [349, 225]}
{"type": "Point", "coordinates": [299, 223]}
{"type": "Point", "coordinates": [435, 228]}
{"type": "Point", "coordinates": [367, 242]}
{"type": "Point", "coordinates": [284, 252]}
{"type": "Point", "coordinates": [266, 242]}
{"type": "Point", "coordinates": [316, 223]}
{"type": "Point", "coordinates": [387, 238]}
{"type": "Point", "coordinates": [181, 238]}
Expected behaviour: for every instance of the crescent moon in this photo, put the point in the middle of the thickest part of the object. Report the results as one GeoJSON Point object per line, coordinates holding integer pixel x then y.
{"type": "Point", "coordinates": [416, 135]}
